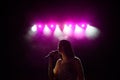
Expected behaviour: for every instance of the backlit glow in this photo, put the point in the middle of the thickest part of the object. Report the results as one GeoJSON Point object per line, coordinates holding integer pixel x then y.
{"type": "Point", "coordinates": [78, 29]}
{"type": "Point", "coordinates": [51, 25]}
{"type": "Point", "coordinates": [39, 26]}
{"type": "Point", "coordinates": [46, 30]}
{"type": "Point", "coordinates": [57, 32]}
{"type": "Point", "coordinates": [78, 33]}
{"type": "Point", "coordinates": [83, 25]}
{"type": "Point", "coordinates": [65, 31]}
{"type": "Point", "coordinates": [34, 28]}
{"type": "Point", "coordinates": [91, 32]}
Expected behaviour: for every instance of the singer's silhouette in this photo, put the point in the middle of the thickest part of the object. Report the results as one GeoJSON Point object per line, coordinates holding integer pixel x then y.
{"type": "Point", "coordinates": [68, 66]}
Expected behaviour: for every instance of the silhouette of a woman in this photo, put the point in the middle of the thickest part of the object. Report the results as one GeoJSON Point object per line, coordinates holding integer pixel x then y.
{"type": "Point", "coordinates": [68, 67]}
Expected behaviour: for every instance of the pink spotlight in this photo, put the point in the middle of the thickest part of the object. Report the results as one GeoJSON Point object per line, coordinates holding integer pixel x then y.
{"type": "Point", "coordinates": [78, 31]}
{"type": "Point", "coordinates": [57, 32]}
{"type": "Point", "coordinates": [67, 30]}
{"type": "Point", "coordinates": [39, 26]}
{"type": "Point", "coordinates": [70, 25]}
{"type": "Point", "coordinates": [57, 25]}
{"type": "Point", "coordinates": [65, 25]}
{"type": "Point", "coordinates": [51, 25]}
{"type": "Point", "coordinates": [83, 25]}
{"type": "Point", "coordinates": [46, 30]}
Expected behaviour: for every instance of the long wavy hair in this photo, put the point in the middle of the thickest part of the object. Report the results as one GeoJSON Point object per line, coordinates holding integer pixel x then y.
{"type": "Point", "coordinates": [65, 46]}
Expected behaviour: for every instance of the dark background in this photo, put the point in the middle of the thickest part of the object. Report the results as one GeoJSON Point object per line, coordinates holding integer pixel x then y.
{"type": "Point", "coordinates": [25, 63]}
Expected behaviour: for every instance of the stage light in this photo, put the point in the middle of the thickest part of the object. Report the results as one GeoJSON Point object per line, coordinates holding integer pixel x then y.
{"type": "Point", "coordinates": [70, 25]}
{"type": "Point", "coordinates": [78, 29]}
{"type": "Point", "coordinates": [78, 32]}
{"type": "Point", "coordinates": [65, 25]}
{"type": "Point", "coordinates": [67, 30]}
{"type": "Point", "coordinates": [91, 32]}
{"type": "Point", "coordinates": [57, 32]}
{"type": "Point", "coordinates": [34, 28]}
{"type": "Point", "coordinates": [39, 26]}
{"type": "Point", "coordinates": [57, 25]}
{"type": "Point", "coordinates": [46, 30]}
{"type": "Point", "coordinates": [51, 25]}
{"type": "Point", "coordinates": [83, 25]}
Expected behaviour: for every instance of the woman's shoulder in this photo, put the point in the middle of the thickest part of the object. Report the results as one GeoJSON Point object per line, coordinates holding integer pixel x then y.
{"type": "Point", "coordinates": [77, 59]}
{"type": "Point", "coordinates": [59, 60]}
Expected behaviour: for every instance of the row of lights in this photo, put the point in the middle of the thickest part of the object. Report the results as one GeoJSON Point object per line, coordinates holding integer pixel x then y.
{"type": "Point", "coordinates": [68, 30]}
{"type": "Point", "coordinates": [34, 27]}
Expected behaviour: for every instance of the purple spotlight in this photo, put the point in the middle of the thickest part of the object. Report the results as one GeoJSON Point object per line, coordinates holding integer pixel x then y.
{"type": "Point", "coordinates": [52, 27]}
{"type": "Point", "coordinates": [40, 28]}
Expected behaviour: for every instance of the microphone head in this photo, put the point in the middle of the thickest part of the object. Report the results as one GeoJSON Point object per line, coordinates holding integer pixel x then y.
{"type": "Point", "coordinates": [52, 53]}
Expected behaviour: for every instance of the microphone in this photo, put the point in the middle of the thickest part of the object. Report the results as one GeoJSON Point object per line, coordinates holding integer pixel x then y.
{"type": "Point", "coordinates": [52, 53]}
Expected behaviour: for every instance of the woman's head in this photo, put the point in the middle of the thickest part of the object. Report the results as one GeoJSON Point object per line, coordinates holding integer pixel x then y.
{"type": "Point", "coordinates": [66, 48]}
